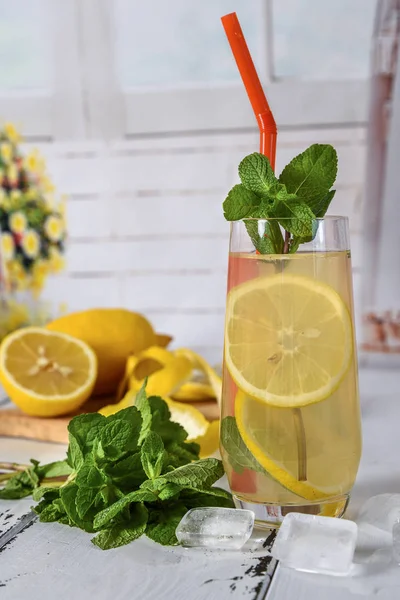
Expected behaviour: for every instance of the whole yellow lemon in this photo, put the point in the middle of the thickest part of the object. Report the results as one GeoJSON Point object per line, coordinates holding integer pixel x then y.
{"type": "Point", "coordinates": [113, 334]}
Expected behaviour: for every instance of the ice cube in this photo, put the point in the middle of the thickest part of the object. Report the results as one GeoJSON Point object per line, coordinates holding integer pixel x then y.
{"type": "Point", "coordinates": [316, 544]}
{"type": "Point", "coordinates": [380, 511]}
{"type": "Point", "coordinates": [226, 528]}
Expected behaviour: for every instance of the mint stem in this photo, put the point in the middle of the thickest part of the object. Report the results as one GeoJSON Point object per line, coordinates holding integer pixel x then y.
{"type": "Point", "coordinates": [6, 476]}
{"type": "Point", "coordinates": [11, 466]}
{"type": "Point", "coordinates": [301, 444]}
{"type": "Point", "coordinates": [286, 244]}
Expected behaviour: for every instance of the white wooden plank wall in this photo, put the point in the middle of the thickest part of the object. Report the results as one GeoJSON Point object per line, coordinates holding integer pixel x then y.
{"type": "Point", "coordinates": [146, 229]}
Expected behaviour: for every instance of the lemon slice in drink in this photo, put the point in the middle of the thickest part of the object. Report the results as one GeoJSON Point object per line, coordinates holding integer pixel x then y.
{"type": "Point", "coordinates": [270, 435]}
{"type": "Point", "coordinates": [288, 339]}
{"type": "Point", "coordinates": [46, 373]}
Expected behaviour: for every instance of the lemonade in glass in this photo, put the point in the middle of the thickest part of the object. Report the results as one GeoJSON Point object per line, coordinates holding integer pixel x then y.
{"type": "Point", "coordinates": [290, 432]}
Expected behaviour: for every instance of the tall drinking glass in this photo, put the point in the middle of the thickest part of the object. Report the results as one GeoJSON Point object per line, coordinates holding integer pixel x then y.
{"type": "Point", "coordinates": [290, 432]}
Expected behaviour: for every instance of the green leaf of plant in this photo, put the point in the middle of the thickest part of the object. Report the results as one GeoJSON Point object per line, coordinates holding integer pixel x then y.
{"type": "Point", "coordinates": [89, 475]}
{"type": "Point", "coordinates": [162, 424]}
{"type": "Point", "coordinates": [127, 472]}
{"type": "Point", "coordinates": [106, 516]}
{"type": "Point", "coordinates": [152, 455]}
{"type": "Point", "coordinates": [143, 406]}
{"type": "Point", "coordinates": [323, 205]}
{"type": "Point", "coordinates": [161, 488]}
{"type": "Point", "coordinates": [211, 497]}
{"type": "Point", "coordinates": [45, 492]}
{"type": "Point", "coordinates": [121, 433]}
{"type": "Point", "coordinates": [197, 475]}
{"type": "Point", "coordinates": [256, 173]}
{"type": "Point", "coordinates": [68, 496]}
{"type": "Point", "coordinates": [311, 174]}
{"type": "Point", "coordinates": [163, 523]}
{"type": "Point", "coordinates": [125, 532]}
{"type": "Point", "coordinates": [179, 454]}
{"type": "Point", "coordinates": [296, 218]}
{"type": "Point", "coordinates": [239, 455]}
{"type": "Point", "coordinates": [52, 512]}
{"type": "Point", "coordinates": [266, 236]}
{"type": "Point", "coordinates": [74, 453]}
{"type": "Point", "coordinates": [86, 429]}
{"type": "Point", "coordinates": [239, 203]}
{"type": "Point", "coordinates": [85, 498]}
{"type": "Point", "coordinates": [20, 485]}
{"type": "Point", "coordinates": [55, 469]}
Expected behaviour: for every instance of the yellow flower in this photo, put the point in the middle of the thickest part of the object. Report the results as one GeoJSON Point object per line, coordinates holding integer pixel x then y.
{"type": "Point", "coordinates": [17, 222]}
{"type": "Point", "coordinates": [17, 275]}
{"type": "Point", "coordinates": [3, 196]}
{"type": "Point", "coordinates": [57, 261]}
{"type": "Point", "coordinates": [12, 133]}
{"type": "Point", "coordinates": [47, 185]}
{"type": "Point", "coordinates": [41, 268]}
{"type": "Point", "coordinates": [54, 228]}
{"type": "Point", "coordinates": [35, 162]}
{"type": "Point", "coordinates": [6, 152]}
{"type": "Point", "coordinates": [31, 243]}
{"type": "Point", "coordinates": [7, 246]}
{"type": "Point", "coordinates": [12, 173]}
{"type": "Point", "coordinates": [31, 194]}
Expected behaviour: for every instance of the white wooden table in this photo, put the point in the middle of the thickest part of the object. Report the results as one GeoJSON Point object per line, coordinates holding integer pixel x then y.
{"type": "Point", "coordinates": [47, 561]}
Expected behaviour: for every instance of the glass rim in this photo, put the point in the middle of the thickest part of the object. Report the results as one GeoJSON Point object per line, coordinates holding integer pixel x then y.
{"type": "Point", "coordinates": [329, 218]}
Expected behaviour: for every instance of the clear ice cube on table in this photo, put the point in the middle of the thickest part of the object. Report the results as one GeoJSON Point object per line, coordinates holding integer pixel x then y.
{"type": "Point", "coordinates": [381, 512]}
{"type": "Point", "coordinates": [216, 528]}
{"type": "Point", "coordinates": [316, 544]}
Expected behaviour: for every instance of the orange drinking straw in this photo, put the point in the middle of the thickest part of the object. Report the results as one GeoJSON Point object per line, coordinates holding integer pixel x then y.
{"type": "Point", "coordinates": [247, 70]}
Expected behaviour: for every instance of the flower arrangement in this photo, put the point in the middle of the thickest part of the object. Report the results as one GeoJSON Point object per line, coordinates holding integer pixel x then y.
{"type": "Point", "coordinates": [32, 223]}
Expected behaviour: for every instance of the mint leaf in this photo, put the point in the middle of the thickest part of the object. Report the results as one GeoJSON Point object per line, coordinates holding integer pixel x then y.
{"type": "Point", "coordinates": [163, 523]}
{"type": "Point", "coordinates": [211, 497]}
{"type": "Point", "coordinates": [239, 203]}
{"type": "Point", "coordinates": [68, 496]}
{"type": "Point", "coordinates": [20, 485]}
{"type": "Point", "coordinates": [85, 498]}
{"type": "Point", "coordinates": [123, 533]}
{"type": "Point", "coordinates": [54, 469]}
{"type": "Point", "coordinates": [121, 433]}
{"type": "Point", "coordinates": [128, 472]}
{"type": "Point", "coordinates": [104, 517]}
{"type": "Point", "coordinates": [47, 492]}
{"type": "Point", "coordinates": [296, 217]}
{"type": "Point", "coordinates": [311, 174]}
{"type": "Point", "coordinates": [89, 475]}
{"type": "Point", "coordinates": [161, 488]}
{"type": "Point", "coordinates": [162, 424]}
{"type": "Point", "coordinates": [179, 454]}
{"type": "Point", "coordinates": [197, 475]}
{"type": "Point", "coordinates": [239, 455]}
{"type": "Point", "coordinates": [323, 205]}
{"type": "Point", "coordinates": [143, 406]}
{"type": "Point", "coordinates": [85, 429]}
{"type": "Point", "coordinates": [74, 453]}
{"type": "Point", "coordinates": [52, 512]}
{"type": "Point", "coordinates": [256, 173]}
{"type": "Point", "coordinates": [152, 455]}
{"type": "Point", "coordinates": [266, 236]}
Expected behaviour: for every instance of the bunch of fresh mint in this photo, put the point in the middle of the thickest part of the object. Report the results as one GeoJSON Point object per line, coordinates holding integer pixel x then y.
{"type": "Point", "coordinates": [125, 475]}
{"type": "Point", "coordinates": [294, 201]}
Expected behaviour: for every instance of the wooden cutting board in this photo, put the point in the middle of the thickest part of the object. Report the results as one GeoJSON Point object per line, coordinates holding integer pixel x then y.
{"type": "Point", "coordinates": [14, 423]}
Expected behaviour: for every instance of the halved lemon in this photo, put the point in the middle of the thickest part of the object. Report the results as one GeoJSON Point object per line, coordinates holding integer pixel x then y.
{"type": "Point", "coordinates": [46, 373]}
{"type": "Point", "coordinates": [270, 435]}
{"type": "Point", "coordinates": [288, 339]}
